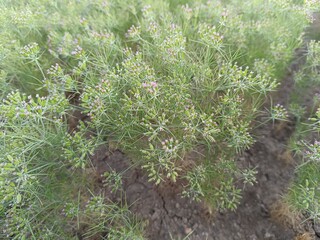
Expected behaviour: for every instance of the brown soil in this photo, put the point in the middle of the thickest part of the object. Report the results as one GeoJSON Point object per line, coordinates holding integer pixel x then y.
{"type": "Point", "coordinates": [171, 217]}
{"type": "Point", "coordinates": [259, 215]}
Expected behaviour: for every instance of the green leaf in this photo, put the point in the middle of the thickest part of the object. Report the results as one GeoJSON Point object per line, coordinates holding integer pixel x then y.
{"type": "Point", "coordinates": [19, 198]}
{"type": "Point", "coordinates": [151, 146]}
{"type": "Point", "coordinates": [10, 158]}
{"type": "Point", "coordinates": [158, 181]}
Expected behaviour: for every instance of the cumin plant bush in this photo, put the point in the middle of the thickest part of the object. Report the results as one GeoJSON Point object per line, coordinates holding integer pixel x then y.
{"type": "Point", "coordinates": [178, 90]}
{"type": "Point", "coordinates": [32, 131]}
{"type": "Point", "coordinates": [43, 165]}
{"type": "Point", "coordinates": [39, 177]}
{"type": "Point", "coordinates": [176, 86]}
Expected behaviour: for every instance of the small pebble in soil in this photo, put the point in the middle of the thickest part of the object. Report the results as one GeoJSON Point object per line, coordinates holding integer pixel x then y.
{"type": "Point", "coordinates": [253, 237]}
{"type": "Point", "coordinates": [264, 210]}
{"type": "Point", "coordinates": [205, 234]}
{"type": "Point", "coordinates": [187, 230]}
{"type": "Point", "coordinates": [264, 178]}
{"type": "Point", "coordinates": [269, 236]}
{"type": "Point", "coordinates": [155, 215]}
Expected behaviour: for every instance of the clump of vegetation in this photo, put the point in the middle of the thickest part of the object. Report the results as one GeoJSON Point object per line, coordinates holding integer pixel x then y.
{"type": "Point", "coordinates": [304, 193]}
{"type": "Point", "coordinates": [160, 80]}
